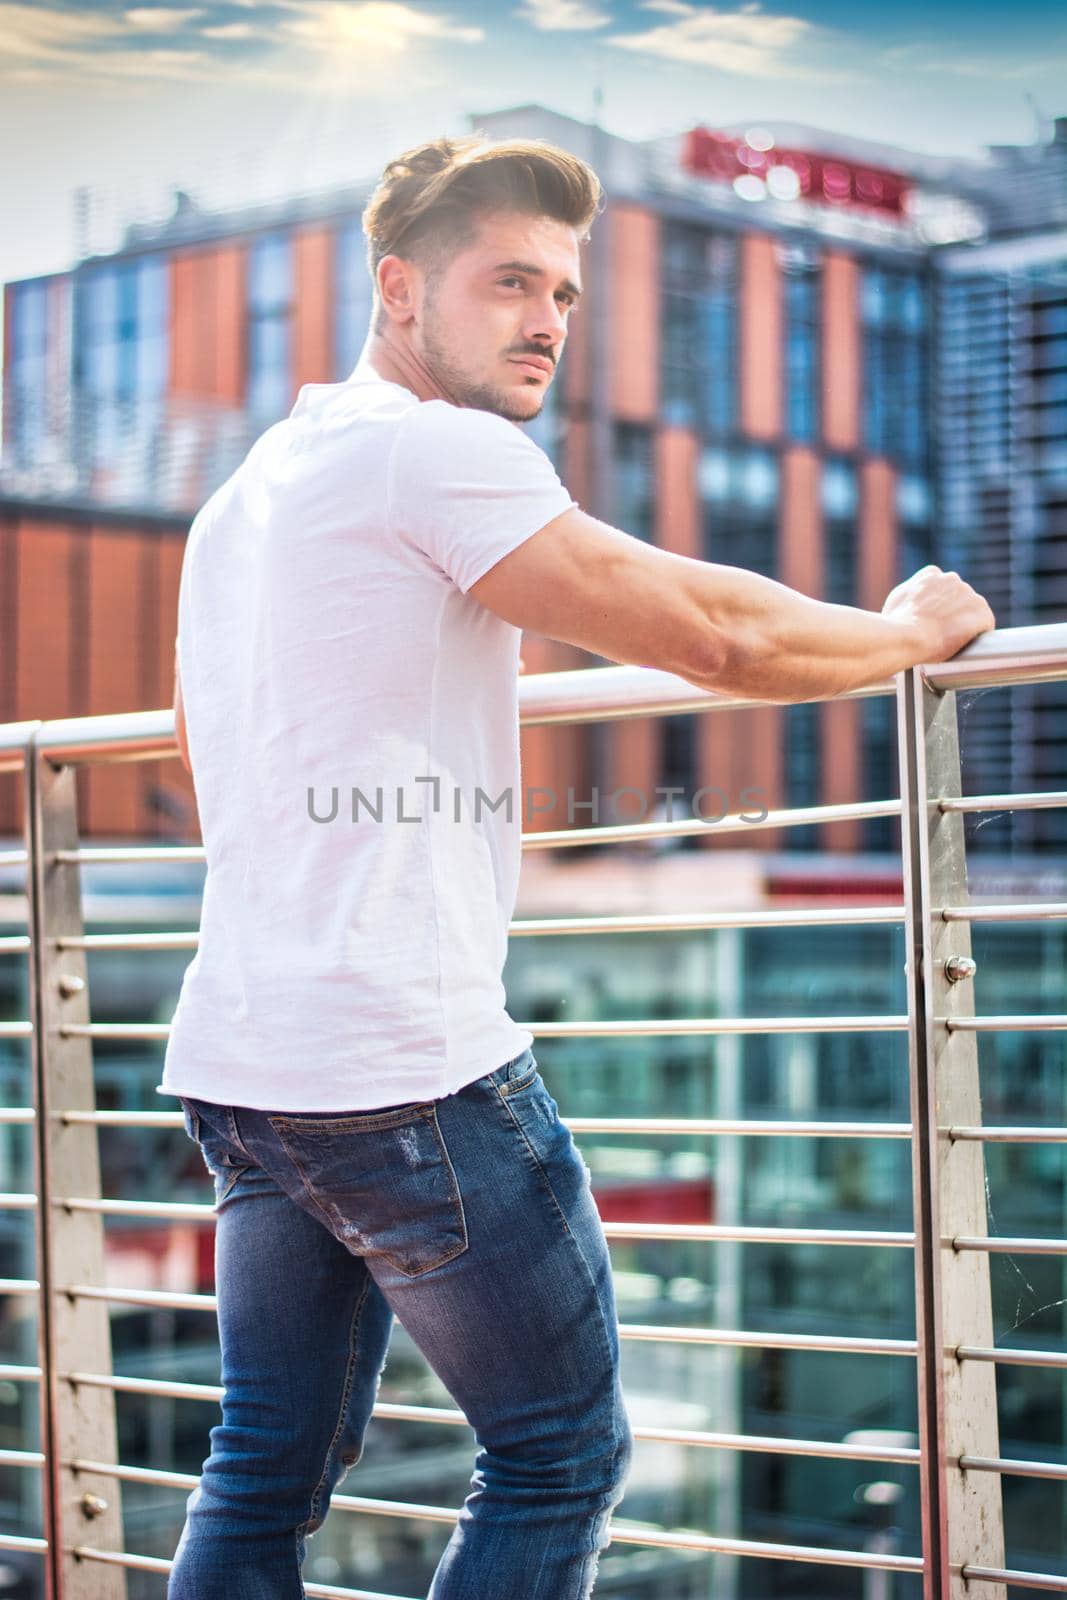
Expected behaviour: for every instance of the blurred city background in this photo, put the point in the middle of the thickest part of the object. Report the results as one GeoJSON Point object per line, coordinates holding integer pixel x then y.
{"type": "Point", "coordinates": [823, 355]}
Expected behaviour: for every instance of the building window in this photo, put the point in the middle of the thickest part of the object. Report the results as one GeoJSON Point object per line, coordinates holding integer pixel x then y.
{"type": "Point", "coordinates": [739, 495]}
{"type": "Point", "coordinates": [895, 388]}
{"type": "Point", "coordinates": [631, 480]}
{"type": "Point", "coordinates": [878, 725]}
{"type": "Point", "coordinates": [802, 298]}
{"type": "Point", "coordinates": [546, 429]}
{"type": "Point", "coordinates": [352, 296]}
{"type": "Point", "coordinates": [839, 504]}
{"type": "Point", "coordinates": [270, 306]}
{"type": "Point", "coordinates": [28, 375]}
{"type": "Point", "coordinates": [803, 742]}
{"type": "Point", "coordinates": [914, 515]}
{"type": "Point", "coordinates": [699, 328]}
{"type": "Point", "coordinates": [122, 357]}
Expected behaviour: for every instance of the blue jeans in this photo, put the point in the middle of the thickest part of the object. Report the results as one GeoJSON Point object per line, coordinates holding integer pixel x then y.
{"type": "Point", "coordinates": [471, 1218]}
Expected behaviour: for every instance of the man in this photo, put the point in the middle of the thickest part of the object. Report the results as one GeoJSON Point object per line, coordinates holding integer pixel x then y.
{"type": "Point", "coordinates": [379, 1134]}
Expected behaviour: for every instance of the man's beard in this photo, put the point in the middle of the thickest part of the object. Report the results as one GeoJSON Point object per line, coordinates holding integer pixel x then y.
{"type": "Point", "coordinates": [479, 396]}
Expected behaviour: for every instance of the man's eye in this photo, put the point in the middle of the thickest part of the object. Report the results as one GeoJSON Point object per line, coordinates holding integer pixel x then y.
{"type": "Point", "coordinates": [509, 282]}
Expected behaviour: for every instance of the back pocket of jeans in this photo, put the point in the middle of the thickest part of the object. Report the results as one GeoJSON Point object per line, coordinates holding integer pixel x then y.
{"type": "Point", "coordinates": [385, 1183]}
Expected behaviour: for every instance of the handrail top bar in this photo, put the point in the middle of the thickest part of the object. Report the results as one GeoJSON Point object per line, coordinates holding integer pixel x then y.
{"type": "Point", "coordinates": [1004, 656]}
{"type": "Point", "coordinates": [596, 694]}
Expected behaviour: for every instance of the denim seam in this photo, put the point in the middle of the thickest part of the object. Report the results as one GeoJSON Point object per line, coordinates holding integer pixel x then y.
{"type": "Point", "coordinates": [621, 1436]}
{"type": "Point", "coordinates": [517, 1085]}
{"type": "Point", "coordinates": [346, 1395]}
{"type": "Point", "coordinates": [537, 1159]}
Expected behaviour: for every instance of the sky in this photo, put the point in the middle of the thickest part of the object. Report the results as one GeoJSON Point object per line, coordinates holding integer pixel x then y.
{"type": "Point", "coordinates": [237, 101]}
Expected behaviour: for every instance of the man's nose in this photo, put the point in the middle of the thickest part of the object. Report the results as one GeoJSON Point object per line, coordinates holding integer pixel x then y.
{"type": "Point", "coordinates": [548, 324]}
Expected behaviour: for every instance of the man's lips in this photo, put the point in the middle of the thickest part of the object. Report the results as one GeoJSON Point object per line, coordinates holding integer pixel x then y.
{"type": "Point", "coordinates": [537, 363]}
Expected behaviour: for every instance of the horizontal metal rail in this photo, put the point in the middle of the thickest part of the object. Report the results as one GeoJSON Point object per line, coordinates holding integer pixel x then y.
{"type": "Point", "coordinates": [620, 1532]}
{"type": "Point", "coordinates": [996, 1135]}
{"type": "Point", "coordinates": [14, 944]}
{"type": "Point", "coordinates": [769, 1444]}
{"type": "Point", "coordinates": [1024, 1469]}
{"type": "Point", "coordinates": [1001, 657]}
{"type": "Point", "coordinates": [695, 921]}
{"type": "Point", "coordinates": [137, 1563]}
{"type": "Point", "coordinates": [690, 827]}
{"type": "Point", "coordinates": [1025, 911]}
{"type": "Point", "coordinates": [191, 1211]}
{"type": "Point", "coordinates": [16, 1029]}
{"type": "Point", "coordinates": [174, 1299]}
{"type": "Point", "coordinates": [550, 839]}
{"type": "Point", "coordinates": [755, 1235]}
{"type": "Point", "coordinates": [649, 922]}
{"type": "Point", "coordinates": [1043, 800]}
{"type": "Point", "coordinates": [621, 1125]}
{"type": "Point", "coordinates": [1004, 1356]}
{"type": "Point", "coordinates": [18, 1202]}
{"type": "Point", "coordinates": [744, 1127]}
{"type": "Point", "coordinates": [10, 1115]}
{"type": "Point", "coordinates": [13, 1374]}
{"type": "Point", "coordinates": [14, 1541]}
{"type": "Point", "coordinates": [1009, 1246]}
{"type": "Point", "coordinates": [1005, 656]}
{"type": "Point", "coordinates": [19, 1286]}
{"type": "Point", "coordinates": [21, 1458]}
{"type": "Point", "coordinates": [643, 1028]}
{"type": "Point", "coordinates": [129, 941]}
{"type": "Point", "coordinates": [1007, 1024]}
{"type": "Point", "coordinates": [652, 922]}
{"type": "Point", "coordinates": [100, 855]}
{"type": "Point", "coordinates": [1021, 1580]}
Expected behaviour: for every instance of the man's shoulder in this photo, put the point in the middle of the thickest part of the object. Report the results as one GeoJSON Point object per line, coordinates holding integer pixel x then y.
{"type": "Point", "coordinates": [454, 434]}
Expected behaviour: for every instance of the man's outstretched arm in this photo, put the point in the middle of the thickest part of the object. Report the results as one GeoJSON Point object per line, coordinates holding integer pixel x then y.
{"type": "Point", "coordinates": [722, 628]}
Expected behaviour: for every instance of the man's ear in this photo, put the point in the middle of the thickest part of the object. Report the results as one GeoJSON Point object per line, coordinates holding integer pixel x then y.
{"type": "Point", "coordinates": [398, 288]}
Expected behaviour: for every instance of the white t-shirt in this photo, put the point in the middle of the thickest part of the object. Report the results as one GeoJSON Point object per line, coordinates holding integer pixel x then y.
{"type": "Point", "coordinates": [327, 643]}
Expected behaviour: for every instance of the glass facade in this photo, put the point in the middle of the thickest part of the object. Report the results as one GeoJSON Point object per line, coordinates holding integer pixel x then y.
{"type": "Point", "coordinates": [270, 308]}
{"type": "Point", "coordinates": [699, 328]}
{"type": "Point", "coordinates": [27, 377]}
{"type": "Point", "coordinates": [803, 768]}
{"type": "Point", "coordinates": [738, 488]}
{"type": "Point", "coordinates": [895, 379]}
{"type": "Point", "coordinates": [352, 296]}
{"type": "Point", "coordinates": [121, 357]}
{"type": "Point", "coordinates": [840, 531]}
{"type": "Point", "coordinates": [802, 298]}
{"type": "Point", "coordinates": [632, 487]}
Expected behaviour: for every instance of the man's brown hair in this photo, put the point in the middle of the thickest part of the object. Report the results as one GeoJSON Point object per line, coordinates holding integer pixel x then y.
{"type": "Point", "coordinates": [428, 201]}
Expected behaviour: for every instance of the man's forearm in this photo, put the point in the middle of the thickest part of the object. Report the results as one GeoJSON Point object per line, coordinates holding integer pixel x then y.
{"type": "Point", "coordinates": [782, 646]}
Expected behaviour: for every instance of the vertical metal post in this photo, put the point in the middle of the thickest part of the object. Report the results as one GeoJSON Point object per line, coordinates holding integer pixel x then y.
{"type": "Point", "coordinates": [81, 1508]}
{"type": "Point", "coordinates": [962, 1518]}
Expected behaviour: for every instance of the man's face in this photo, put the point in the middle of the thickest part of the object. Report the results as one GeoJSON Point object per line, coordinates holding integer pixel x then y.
{"type": "Point", "coordinates": [493, 317]}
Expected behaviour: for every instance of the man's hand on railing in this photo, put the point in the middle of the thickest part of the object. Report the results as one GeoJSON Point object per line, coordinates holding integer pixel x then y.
{"type": "Point", "coordinates": [943, 608]}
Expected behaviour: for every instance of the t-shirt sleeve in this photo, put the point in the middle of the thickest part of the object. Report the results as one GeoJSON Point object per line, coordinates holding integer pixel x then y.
{"type": "Point", "coordinates": [466, 487]}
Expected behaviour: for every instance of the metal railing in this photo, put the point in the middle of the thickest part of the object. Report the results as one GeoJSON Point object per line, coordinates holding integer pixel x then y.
{"type": "Point", "coordinates": [958, 1456]}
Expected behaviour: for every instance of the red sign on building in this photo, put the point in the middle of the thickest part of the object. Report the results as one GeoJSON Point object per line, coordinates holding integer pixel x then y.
{"type": "Point", "coordinates": [823, 180]}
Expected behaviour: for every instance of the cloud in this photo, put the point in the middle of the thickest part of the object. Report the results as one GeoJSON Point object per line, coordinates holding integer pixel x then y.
{"type": "Point", "coordinates": [346, 39]}
{"type": "Point", "coordinates": [567, 16]}
{"type": "Point", "coordinates": [925, 58]}
{"type": "Point", "coordinates": [229, 30]}
{"type": "Point", "coordinates": [34, 34]}
{"type": "Point", "coordinates": [159, 19]}
{"type": "Point", "coordinates": [381, 27]}
{"type": "Point", "coordinates": [747, 41]}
